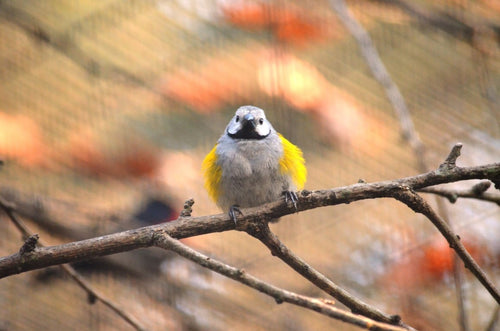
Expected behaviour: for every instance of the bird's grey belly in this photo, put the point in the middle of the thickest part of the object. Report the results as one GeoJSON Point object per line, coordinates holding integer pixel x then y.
{"type": "Point", "coordinates": [252, 190]}
{"type": "Point", "coordinates": [250, 173]}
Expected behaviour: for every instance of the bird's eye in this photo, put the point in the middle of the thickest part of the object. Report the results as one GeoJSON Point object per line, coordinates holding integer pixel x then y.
{"type": "Point", "coordinates": [237, 119]}
{"type": "Point", "coordinates": [261, 121]}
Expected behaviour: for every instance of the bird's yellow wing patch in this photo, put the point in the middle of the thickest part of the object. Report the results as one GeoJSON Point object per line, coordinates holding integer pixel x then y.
{"type": "Point", "coordinates": [292, 163]}
{"type": "Point", "coordinates": [212, 173]}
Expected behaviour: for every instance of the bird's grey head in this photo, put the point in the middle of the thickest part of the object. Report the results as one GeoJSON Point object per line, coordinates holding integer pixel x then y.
{"type": "Point", "coordinates": [249, 122]}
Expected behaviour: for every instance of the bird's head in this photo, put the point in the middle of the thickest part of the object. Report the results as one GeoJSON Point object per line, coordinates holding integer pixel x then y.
{"type": "Point", "coordinates": [249, 122]}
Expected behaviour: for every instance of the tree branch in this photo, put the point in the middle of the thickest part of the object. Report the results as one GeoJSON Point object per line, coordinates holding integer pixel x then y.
{"type": "Point", "coordinates": [492, 325]}
{"type": "Point", "coordinates": [398, 102]}
{"type": "Point", "coordinates": [381, 74]}
{"type": "Point", "coordinates": [30, 244]}
{"type": "Point", "coordinates": [262, 232]}
{"type": "Point", "coordinates": [324, 307]}
{"type": "Point", "coordinates": [34, 28]}
{"type": "Point", "coordinates": [475, 192]}
{"type": "Point", "coordinates": [447, 21]}
{"type": "Point", "coordinates": [419, 205]}
{"type": "Point", "coordinates": [191, 226]}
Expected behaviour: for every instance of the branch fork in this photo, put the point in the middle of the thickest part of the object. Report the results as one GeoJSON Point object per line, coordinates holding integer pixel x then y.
{"type": "Point", "coordinates": [255, 222]}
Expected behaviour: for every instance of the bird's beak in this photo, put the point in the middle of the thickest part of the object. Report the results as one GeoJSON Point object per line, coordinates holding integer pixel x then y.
{"type": "Point", "coordinates": [249, 119]}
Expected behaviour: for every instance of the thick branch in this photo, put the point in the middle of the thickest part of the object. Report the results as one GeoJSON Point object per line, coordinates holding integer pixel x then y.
{"type": "Point", "coordinates": [193, 226]}
{"type": "Point", "coordinates": [163, 240]}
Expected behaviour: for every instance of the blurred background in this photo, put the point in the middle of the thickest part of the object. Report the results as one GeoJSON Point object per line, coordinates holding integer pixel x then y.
{"type": "Point", "coordinates": [107, 109]}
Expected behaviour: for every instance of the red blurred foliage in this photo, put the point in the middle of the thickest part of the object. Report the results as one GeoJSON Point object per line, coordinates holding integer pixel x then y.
{"type": "Point", "coordinates": [438, 257]}
{"type": "Point", "coordinates": [338, 114]}
{"type": "Point", "coordinates": [299, 32]}
{"type": "Point", "coordinates": [235, 76]}
{"type": "Point", "coordinates": [139, 161]}
{"type": "Point", "coordinates": [430, 264]}
{"type": "Point", "coordinates": [85, 154]}
{"type": "Point", "coordinates": [248, 15]}
{"type": "Point", "coordinates": [132, 158]}
{"type": "Point", "coordinates": [21, 139]}
{"type": "Point", "coordinates": [198, 92]}
{"type": "Point", "coordinates": [219, 80]}
{"type": "Point", "coordinates": [288, 23]}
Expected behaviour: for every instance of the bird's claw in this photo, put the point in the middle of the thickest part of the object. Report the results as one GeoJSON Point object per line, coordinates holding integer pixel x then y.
{"type": "Point", "coordinates": [291, 196]}
{"type": "Point", "coordinates": [233, 210]}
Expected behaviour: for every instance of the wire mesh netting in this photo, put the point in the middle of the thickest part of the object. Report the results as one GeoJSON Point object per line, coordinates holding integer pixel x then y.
{"type": "Point", "coordinates": [108, 108]}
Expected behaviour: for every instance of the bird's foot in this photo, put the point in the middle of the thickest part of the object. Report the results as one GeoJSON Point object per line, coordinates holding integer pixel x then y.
{"type": "Point", "coordinates": [233, 210]}
{"type": "Point", "coordinates": [291, 196]}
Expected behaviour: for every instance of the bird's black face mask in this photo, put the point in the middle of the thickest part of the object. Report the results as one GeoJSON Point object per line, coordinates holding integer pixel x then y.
{"type": "Point", "coordinates": [248, 132]}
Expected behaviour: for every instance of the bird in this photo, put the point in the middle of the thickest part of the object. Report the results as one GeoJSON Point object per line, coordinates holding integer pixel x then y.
{"type": "Point", "coordinates": [252, 164]}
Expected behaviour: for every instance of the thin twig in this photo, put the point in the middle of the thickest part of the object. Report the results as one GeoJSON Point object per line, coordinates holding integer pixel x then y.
{"type": "Point", "coordinates": [380, 73]}
{"type": "Point", "coordinates": [261, 231]}
{"type": "Point", "coordinates": [449, 163]}
{"type": "Point", "coordinates": [472, 193]}
{"type": "Point", "coordinates": [34, 28]}
{"type": "Point", "coordinates": [494, 320]}
{"type": "Point", "coordinates": [460, 27]}
{"type": "Point", "coordinates": [419, 205]}
{"type": "Point", "coordinates": [397, 100]}
{"type": "Point", "coordinates": [458, 278]}
{"type": "Point", "coordinates": [451, 159]}
{"type": "Point", "coordinates": [164, 241]}
{"type": "Point", "coordinates": [92, 294]}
